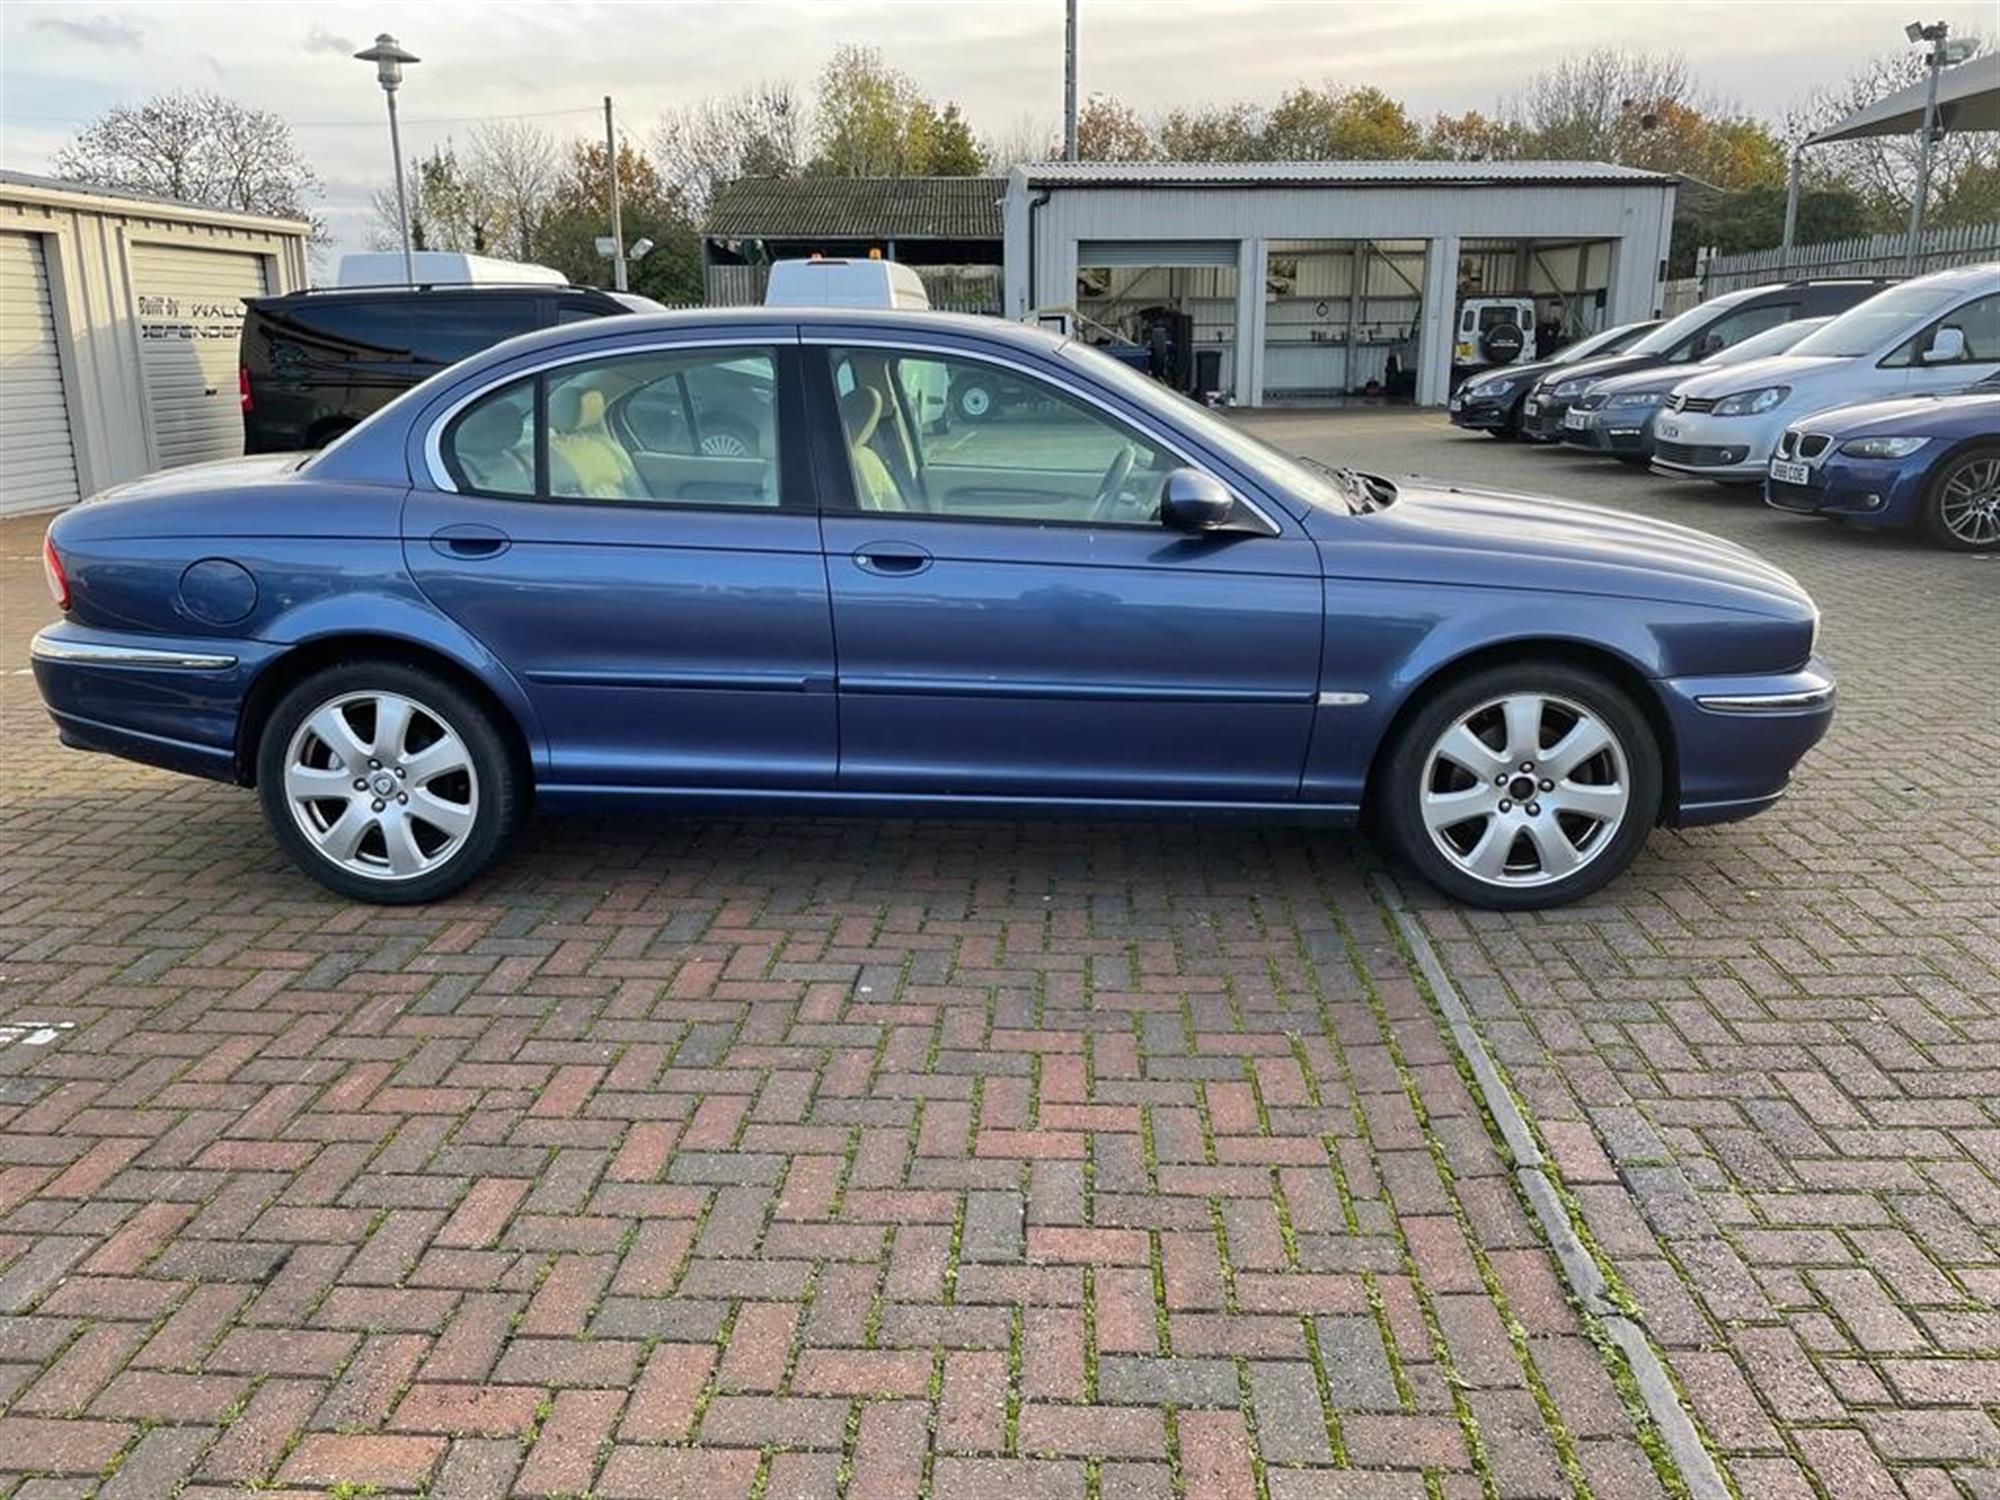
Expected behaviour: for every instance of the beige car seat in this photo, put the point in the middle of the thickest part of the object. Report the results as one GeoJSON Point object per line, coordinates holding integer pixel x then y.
{"type": "Point", "coordinates": [874, 486]}
{"type": "Point", "coordinates": [585, 460]}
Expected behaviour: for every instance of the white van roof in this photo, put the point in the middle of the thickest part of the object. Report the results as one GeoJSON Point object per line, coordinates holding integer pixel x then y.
{"type": "Point", "coordinates": [825, 281]}
{"type": "Point", "coordinates": [441, 268]}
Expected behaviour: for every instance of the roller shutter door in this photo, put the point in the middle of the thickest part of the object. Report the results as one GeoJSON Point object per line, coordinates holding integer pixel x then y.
{"type": "Point", "coordinates": [1130, 253]}
{"type": "Point", "coordinates": [37, 463]}
{"type": "Point", "coordinates": [190, 303]}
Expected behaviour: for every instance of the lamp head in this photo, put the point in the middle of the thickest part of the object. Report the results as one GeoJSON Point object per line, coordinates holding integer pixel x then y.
{"type": "Point", "coordinates": [388, 58]}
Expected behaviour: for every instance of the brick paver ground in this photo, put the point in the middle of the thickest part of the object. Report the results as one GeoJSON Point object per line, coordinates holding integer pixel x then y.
{"type": "Point", "coordinates": [1768, 1060]}
{"type": "Point", "coordinates": [792, 1159]}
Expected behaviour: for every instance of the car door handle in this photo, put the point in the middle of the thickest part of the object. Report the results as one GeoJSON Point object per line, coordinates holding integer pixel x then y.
{"type": "Point", "coordinates": [891, 559]}
{"type": "Point", "coordinates": [470, 539]}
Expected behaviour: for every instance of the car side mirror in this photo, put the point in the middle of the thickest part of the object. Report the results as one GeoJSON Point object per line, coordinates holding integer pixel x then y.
{"type": "Point", "coordinates": [1947, 347]}
{"type": "Point", "coordinates": [1195, 502]}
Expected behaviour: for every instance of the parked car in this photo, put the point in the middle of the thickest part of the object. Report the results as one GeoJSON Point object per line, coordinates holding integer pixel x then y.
{"type": "Point", "coordinates": [1615, 416]}
{"type": "Point", "coordinates": [1492, 402]}
{"type": "Point", "coordinates": [1695, 334]}
{"type": "Point", "coordinates": [315, 363]}
{"type": "Point", "coordinates": [1932, 462]}
{"type": "Point", "coordinates": [831, 281]}
{"type": "Point", "coordinates": [1934, 333]}
{"type": "Point", "coordinates": [1493, 331]}
{"type": "Point", "coordinates": [496, 592]}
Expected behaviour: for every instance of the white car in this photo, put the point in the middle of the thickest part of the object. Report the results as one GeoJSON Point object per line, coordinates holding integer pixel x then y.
{"type": "Point", "coordinates": [1932, 333]}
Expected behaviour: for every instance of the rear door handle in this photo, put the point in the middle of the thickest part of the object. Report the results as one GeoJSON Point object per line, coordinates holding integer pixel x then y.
{"type": "Point", "coordinates": [470, 539]}
{"type": "Point", "coordinates": [891, 559]}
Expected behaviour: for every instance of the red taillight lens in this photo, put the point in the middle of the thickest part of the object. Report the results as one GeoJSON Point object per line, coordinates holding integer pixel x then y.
{"type": "Point", "coordinates": [52, 570]}
{"type": "Point", "coordinates": [243, 385]}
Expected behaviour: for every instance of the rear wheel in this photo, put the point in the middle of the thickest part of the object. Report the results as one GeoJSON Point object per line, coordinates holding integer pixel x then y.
{"type": "Point", "coordinates": [974, 400]}
{"type": "Point", "coordinates": [1962, 505]}
{"type": "Point", "coordinates": [386, 782]}
{"type": "Point", "coordinates": [1521, 786]}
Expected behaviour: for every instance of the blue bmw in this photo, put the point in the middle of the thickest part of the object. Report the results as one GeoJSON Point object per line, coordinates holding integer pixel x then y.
{"type": "Point", "coordinates": [720, 560]}
{"type": "Point", "coordinates": [1932, 462]}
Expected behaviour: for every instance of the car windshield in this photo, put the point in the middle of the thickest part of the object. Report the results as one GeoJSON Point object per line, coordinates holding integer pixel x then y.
{"type": "Point", "coordinates": [1770, 341]}
{"type": "Point", "coordinates": [1883, 318]}
{"type": "Point", "coordinates": [1671, 334]}
{"type": "Point", "coordinates": [1607, 341]}
{"type": "Point", "coordinates": [1296, 476]}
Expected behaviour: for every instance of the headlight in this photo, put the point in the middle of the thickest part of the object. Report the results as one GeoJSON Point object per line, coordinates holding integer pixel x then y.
{"type": "Point", "coordinates": [1568, 388]}
{"type": "Point", "coordinates": [1492, 387]}
{"type": "Point", "coordinates": [1638, 398]}
{"type": "Point", "coordinates": [1883, 447]}
{"type": "Point", "coordinates": [1749, 403]}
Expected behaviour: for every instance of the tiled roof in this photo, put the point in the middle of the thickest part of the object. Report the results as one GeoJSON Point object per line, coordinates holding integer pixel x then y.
{"type": "Point", "coordinates": [946, 208]}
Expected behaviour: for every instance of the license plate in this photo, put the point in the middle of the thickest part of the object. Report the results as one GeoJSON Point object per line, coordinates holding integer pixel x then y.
{"type": "Point", "coordinates": [1456, 404]}
{"type": "Point", "coordinates": [1665, 429]}
{"type": "Point", "coordinates": [1576, 421]}
{"type": "Point", "coordinates": [1531, 406]}
{"type": "Point", "coordinates": [1786, 472]}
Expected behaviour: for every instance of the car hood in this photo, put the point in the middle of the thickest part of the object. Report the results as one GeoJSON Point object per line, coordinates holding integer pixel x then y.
{"type": "Point", "coordinates": [1600, 368]}
{"type": "Point", "coordinates": [1779, 369]}
{"type": "Point", "coordinates": [1496, 538]}
{"type": "Point", "coordinates": [1911, 414]}
{"type": "Point", "coordinates": [1652, 378]}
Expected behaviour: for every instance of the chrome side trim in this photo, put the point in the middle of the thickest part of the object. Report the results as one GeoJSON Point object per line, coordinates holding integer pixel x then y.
{"type": "Point", "coordinates": [45, 647]}
{"type": "Point", "coordinates": [1342, 700]}
{"type": "Point", "coordinates": [1766, 703]}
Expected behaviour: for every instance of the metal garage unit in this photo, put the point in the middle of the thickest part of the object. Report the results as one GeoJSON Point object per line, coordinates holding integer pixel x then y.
{"type": "Point", "coordinates": [190, 318]}
{"type": "Point", "coordinates": [1064, 216]}
{"type": "Point", "coordinates": [121, 318]}
{"type": "Point", "coordinates": [37, 459]}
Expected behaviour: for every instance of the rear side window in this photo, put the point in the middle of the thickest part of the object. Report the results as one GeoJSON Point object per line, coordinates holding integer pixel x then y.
{"type": "Point", "coordinates": [447, 329]}
{"type": "Point", "coordinates": [490, 446]}
{"type": "Point", "coordinates": [344, 328]}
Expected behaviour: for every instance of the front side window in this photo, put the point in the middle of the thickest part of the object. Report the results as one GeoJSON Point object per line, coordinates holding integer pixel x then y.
{"type": "Point", "coordinates": [1736, 327]}
{"type": "Point", "coordinates": [694, 427]}
{"type": "Point", "coordinates": [930, 434]}
{"type": "Point", "coordinates": [1978, 320]}
{"type": "Point", "coordinates": [1864, 328]}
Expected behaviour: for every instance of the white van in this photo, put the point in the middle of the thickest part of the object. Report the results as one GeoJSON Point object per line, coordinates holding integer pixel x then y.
{"type": "Point", "coordinates": [441, 268]}
{"type": "Point", "coordinates": [822, 282]}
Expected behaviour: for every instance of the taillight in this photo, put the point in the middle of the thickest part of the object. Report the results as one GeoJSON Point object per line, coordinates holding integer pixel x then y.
{"type": "Point", "coordinates": [243, 385]}
{"type": "Point", "coordinates": [52, 570]}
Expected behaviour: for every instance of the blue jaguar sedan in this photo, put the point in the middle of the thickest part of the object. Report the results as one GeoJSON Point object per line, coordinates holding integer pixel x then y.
{"type": "Point", "coordinates": [1930, 462]}
{"type": "Point", "coordinates": [722, 560]}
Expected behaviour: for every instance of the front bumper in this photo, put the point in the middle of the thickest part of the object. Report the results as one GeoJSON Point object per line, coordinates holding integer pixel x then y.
{"type": "Point", "coordinates": [1545, 423]}
{"type": "Point", "coordinates": [1871, 492]}
{"type": "Point", "coordinates": [172, 702]}
{"type": "Point", "coordinates": [1738, 738]}
{"type": "Point", "coordinates": [1705, 446]}
{"type": "Point", "coordinates": [1617, 433]}
{"type": "Point", "coordinates": [1483, 414]}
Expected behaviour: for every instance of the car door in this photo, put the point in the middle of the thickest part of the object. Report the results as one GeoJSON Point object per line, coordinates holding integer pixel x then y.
{"type": "Point", "coordinates": [664, 607]}
{"type": "Point", "coordinates": [1978, 355]}
{"type": "Point", "coordinates": [1012, 619]}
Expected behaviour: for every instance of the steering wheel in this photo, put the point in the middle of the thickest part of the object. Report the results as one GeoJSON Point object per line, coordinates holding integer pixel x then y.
{"type": "Point", "coordinates": [1105, 503]}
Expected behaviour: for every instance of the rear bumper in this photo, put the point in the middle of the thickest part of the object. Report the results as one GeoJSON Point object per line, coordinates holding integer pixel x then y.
{"type": "Point", "coordinates": [172, 702]}
{"type": "Point", "coordinates": [1738, 738]}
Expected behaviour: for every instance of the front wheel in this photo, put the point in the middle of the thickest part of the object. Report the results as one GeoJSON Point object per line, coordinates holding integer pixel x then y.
{"type": "Point", "coordinates": [1962, 504]}
{"type": "Point", "coordinates": [386, 782]}
{"type": "Point", "coordinates": [1521, 786]}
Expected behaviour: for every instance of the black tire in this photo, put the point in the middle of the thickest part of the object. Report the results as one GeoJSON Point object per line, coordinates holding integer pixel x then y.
{"type": "Point", "coordinates": [1931, 515]}
{"type": "Point", "coordinates": [495, 796]}
{"type": "Point", "coordinates": [1395, 798]}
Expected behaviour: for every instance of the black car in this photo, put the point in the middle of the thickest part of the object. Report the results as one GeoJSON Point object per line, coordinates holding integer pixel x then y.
{"type": "Point", "coordinates": [1693, 335]}
{"type": "Point", "coordinates": [315, 363]}
{"type": "Point", "coordinates": [1491, 400]}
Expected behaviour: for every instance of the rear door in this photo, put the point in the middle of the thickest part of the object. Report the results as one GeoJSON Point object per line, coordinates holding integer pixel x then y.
{"type": "Point", "coordinates": [664, 607]}
{"type": "Point", "coordinates": [1013, 620]}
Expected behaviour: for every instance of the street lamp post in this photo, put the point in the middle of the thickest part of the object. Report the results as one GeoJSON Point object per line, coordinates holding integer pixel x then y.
{"type": "Point", "coordinates": [389, 59]}
{"type": "Point", "coordinates": [1935, 34]}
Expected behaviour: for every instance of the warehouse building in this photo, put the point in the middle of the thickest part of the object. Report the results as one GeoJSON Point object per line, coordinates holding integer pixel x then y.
{"type": "Point", "coordinates": [120, 320]}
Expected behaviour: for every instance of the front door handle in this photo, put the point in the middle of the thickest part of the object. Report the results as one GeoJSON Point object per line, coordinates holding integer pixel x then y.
{"type": "Point", "coordinates": [891, 559]}
{"type": "Point", "coordinates": [470, 539]}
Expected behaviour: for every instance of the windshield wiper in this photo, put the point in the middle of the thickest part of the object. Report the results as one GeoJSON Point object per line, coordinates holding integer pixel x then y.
{"type": "Point", "coordinates": [1364, 492]}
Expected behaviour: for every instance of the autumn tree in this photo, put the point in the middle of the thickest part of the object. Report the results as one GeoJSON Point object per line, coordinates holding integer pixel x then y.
{"type": "Point", "coordinates": [1335, 123]}
{"type": "Point", "coordinates": [448, 209]}
{"type": "Point", "coordinates": [516, 166]}
{"type": "Point", "coordinates": [581, 211]}
{"type": "Point", "coordinates": [869, 120]}
{"type": "Point", "coordinates": [1109, 129]}
{"type": "Point", "coordinates": [197, 147]}
{"type": "Point", "coordinates": [756, 132]}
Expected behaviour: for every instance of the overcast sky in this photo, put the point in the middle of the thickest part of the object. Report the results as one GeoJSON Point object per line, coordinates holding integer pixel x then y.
{"type": "Point", "coordinates": [1001, 59]}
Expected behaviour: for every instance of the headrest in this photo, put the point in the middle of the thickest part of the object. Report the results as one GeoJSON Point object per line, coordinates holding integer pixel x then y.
{"type": "Point", "coordinates": [860, 410]}
{"type": "Point", "coordinates": [493, 425]}
{"type": "Point", "coordinates": [576, 408]}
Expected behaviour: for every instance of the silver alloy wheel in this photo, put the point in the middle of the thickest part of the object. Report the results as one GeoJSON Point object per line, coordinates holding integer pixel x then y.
{"type": "Point", "coordinates": [976, 401]}
{"type": "Point", "coordinates": [1525, 790]}
{"type": "Point", "coordinates": [381, 785]}
{"type": "Point", "coordinates": [1969, 503]}
{"type": "Point", "coordinates": [725, 445]}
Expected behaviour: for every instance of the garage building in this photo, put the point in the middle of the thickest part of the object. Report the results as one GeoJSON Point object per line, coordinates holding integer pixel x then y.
{"type": "Point", "coordinates": [120, 320]}
{"type": "Point", "coordinates": [1311, 280]}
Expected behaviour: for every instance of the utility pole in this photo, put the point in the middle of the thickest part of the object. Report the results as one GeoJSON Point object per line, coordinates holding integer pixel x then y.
{"type": "Point", "coordinates": [1935, 34]}
{"type": "Point", "coordinates": [617, 218]}
{"type": "Point", "coordinates": [1069, 84]}
{"type": "Point", "coordinates": [1791, 209]}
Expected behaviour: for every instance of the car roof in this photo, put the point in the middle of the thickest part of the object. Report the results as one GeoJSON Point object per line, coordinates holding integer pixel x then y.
{"type": "Point", "coordinates": [422, 289]}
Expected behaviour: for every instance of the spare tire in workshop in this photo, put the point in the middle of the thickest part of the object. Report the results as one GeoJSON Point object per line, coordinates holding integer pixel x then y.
{"type": "Point", "coordinates": [1502, 344]}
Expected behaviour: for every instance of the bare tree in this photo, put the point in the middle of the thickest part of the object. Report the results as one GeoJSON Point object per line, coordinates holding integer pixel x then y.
{"type": "Point", "coordinates": [1600, 105]}
{"type": "Point", "coordinates": [196, 147]}
{"type": "Point", "coordinates": [754, 133]}
{"type": "Point", "coordinates": [516, 168]}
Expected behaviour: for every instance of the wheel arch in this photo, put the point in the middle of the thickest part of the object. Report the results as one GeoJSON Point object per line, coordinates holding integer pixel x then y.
{"type": "Point", "coordinates": [285, 672]}
{"type": "Point", "coordinates": [1619, 669]}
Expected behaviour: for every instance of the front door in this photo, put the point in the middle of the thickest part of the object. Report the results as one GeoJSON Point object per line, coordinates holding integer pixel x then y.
{"type": "Point", "coordinates": [1977, 356]}
{"type": "Point", "coordinates": [1012, 619]}
{"type": "Point", "coordinates": [660, 595]}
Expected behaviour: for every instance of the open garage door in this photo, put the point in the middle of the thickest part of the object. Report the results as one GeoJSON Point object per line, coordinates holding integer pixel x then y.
{"type": "Point", "coordinates": [37, 460]}
{"type": "Point", "coordinates": [1174, 298]}
{"type": "Point", "coordinates": [190, 301]}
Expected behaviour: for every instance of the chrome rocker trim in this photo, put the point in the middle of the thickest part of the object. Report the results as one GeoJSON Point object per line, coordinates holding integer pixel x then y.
{"type": "Point", "coordinates": [46, 647]}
